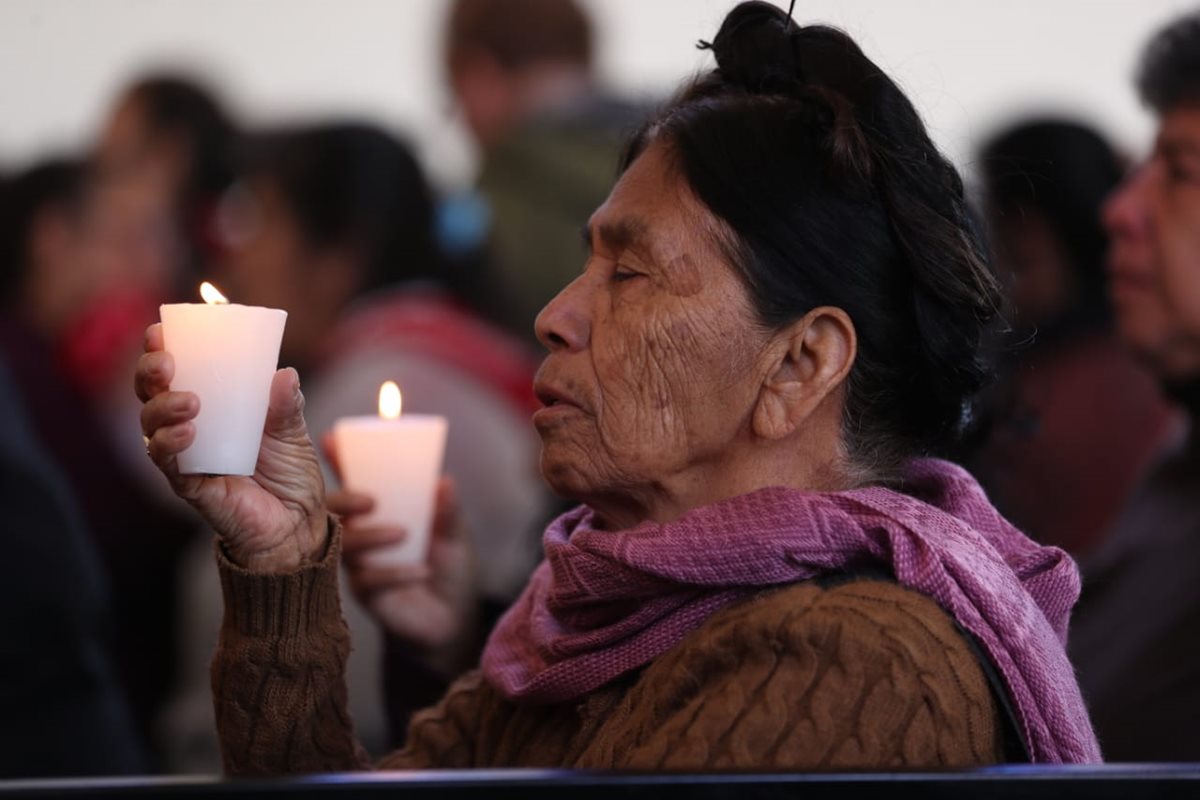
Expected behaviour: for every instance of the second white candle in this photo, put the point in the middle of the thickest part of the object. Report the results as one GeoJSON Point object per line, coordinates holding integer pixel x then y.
{"type": "Point", "coordinates": [397, 461]}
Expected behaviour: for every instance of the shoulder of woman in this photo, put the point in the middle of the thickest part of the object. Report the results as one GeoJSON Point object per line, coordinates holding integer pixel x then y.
{"type": "Point", "coordinates": [866, 627]}
{"type": "Point", "coordinates": [858, 674]}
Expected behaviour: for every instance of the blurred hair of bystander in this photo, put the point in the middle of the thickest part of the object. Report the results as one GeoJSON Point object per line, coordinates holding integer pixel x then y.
{"type": "Point", "coordinates": [39, 215]}
{"type": "Point", "coordinates": [1045, 180]}
{"type": "Point", "coordinates": [171, 128]}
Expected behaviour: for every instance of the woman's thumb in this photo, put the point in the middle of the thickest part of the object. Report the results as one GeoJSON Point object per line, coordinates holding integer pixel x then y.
{"type": "Point", "coordinates": [285, 412]}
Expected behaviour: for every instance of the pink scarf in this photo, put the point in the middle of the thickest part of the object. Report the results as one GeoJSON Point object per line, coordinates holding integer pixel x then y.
{"type": "Point", "coordinates": [604, 603]}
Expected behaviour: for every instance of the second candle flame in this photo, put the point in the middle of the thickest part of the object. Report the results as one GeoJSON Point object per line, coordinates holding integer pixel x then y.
{"type": "Point", "coordinates": [389, 400]}
{"type": "Point", "coordinates": [212, 295]}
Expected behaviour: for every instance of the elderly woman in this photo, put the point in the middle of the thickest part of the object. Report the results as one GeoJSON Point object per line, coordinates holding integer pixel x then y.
{"type": "Point", "coordinates": [782, 313]}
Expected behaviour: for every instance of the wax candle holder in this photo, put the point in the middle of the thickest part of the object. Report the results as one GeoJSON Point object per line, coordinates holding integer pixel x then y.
{"type": "Point", "coordinates": [227, 355]}
{"type": "Point", "coordinates": [397, 460]}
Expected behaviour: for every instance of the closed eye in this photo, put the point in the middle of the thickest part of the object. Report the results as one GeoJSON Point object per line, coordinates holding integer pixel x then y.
{"type": "Point", "coordinates": [620, 275]}
{"type": "Point", "coordinates": [1179, 173]}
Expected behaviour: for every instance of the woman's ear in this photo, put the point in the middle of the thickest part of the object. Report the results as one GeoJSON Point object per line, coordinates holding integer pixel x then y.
{"type": "Point", "coordinates": [809, 360]}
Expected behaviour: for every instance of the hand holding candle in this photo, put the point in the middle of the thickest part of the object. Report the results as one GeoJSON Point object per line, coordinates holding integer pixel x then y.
{"type": "Point", "coordinates": [396, 460]}
{"type": "Point", "coordinates": [274, 521]}
{"type": "Point", "coordinates": [430, 605]}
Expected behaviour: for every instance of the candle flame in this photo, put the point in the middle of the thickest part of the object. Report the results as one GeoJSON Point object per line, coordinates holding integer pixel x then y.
{"type": "Point", "coordinates": [389, 400]}
{"type": "Point", "coordinates": [212, 295]}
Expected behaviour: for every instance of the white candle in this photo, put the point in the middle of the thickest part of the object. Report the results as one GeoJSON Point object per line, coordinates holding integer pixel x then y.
{"type": "Point", "coordinates": [227, 354]}
{"type": "Point", "coordinates": [396, 460]}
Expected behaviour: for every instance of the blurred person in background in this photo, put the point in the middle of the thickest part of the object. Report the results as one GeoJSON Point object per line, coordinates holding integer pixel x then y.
{"type": "Point", "coordinates": [334, 223]}
{"type": "Point", "coordinates": [172, 133]}
{"type": "Point", "coordinates": [41, 280]}
{"type": "Point", "coordinates": [1134, 633]}
{"type": "Point", "coordinates": [1063, 451]}
{"type": "Point", "coordinates": [522, 75]}
{"type": "Point", "coordinates": [48, 246]}
{"type": "Point", "coordinates": [62, 709]}
{"type": "Point", "coordinates": [161, 160]}
{"type": "Point", "coordinates": [93, 256]}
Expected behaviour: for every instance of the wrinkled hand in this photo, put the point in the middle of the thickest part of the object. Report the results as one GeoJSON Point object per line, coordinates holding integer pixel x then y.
{"type": "Point", "coordinates": [431, 605]}
{"type": "Point", "coordinates": [273, 521]}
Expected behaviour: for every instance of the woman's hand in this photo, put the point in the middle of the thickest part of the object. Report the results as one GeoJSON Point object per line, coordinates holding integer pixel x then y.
{"type": "Point", "coordinates": [273, 521]}
{"type": "Point", "coordinates": [430, 605]}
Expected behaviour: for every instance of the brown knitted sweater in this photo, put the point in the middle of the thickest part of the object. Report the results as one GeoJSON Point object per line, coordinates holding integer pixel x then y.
{"type": "Point", "coordinates": [865, 674]}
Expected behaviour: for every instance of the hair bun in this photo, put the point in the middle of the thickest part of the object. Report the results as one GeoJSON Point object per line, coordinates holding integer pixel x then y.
{"type": "Point", "coordinates": [754, 47]}
{"type": "Point", "coordinates": [761, 49]}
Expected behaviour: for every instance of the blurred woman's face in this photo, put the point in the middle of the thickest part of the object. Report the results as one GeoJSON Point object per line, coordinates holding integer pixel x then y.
{"type": "Point", "coordinates": [128, 238]}
{"type": "Point", "coordinates": [268, 262]}
{"type": "Point", "coordinates": [1043, 284]}
{"type": "Point", "coordinates": [652, 372]}
{"type": "Point", "coordinates": [1153, 220]}
{"type": "Point", "coordinates": [264, 248]}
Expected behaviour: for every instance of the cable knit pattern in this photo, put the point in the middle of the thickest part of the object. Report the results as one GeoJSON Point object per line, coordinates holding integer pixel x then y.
{"type": "Point", "coordinates": [278, 674]}
{"type": "Point", "coordinates": [607, 602]}
{"type": "Point", "coordinates": [862, 675]}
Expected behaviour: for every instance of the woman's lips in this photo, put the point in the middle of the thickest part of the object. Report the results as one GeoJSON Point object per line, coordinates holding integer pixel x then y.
{"type": "Point", "coordinates": [551, 397]}
{"type": "Point", "coordinates": [555, 402]}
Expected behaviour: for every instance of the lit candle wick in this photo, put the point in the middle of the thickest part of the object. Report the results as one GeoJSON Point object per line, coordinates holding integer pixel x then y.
{"type": "Point", "coordinates": [212, 295]}
{"type": "Point", "coordinates": [389, 400]}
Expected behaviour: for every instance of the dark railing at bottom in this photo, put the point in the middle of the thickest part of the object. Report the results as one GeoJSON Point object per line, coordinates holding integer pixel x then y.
{"type": "Point", "coordinates": [1149, 781]}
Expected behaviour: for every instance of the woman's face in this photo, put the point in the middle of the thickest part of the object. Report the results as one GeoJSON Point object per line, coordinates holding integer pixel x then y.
{"type": "Point", "coordinates": [268, 262]}
{"type": "Point", "coordinates": [653, 367]}
{"type": "Point", "coordinates": [1041, 269]}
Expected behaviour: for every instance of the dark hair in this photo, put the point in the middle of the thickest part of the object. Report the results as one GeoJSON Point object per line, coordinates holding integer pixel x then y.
{"type": "Point", "coordinates": [1169, 72]}
{"type": "Point", "coordinates": [56, 182]}
{"type": "Point", "coordinates": [520, 33]}
{"type": "Point", "coordinates": [180, 108]}
{"type": "Point", "coordinates": [1063, 171]}
{"type": "Point", "coordinates": [832, 193]}
{"type": "Point", "coordinates": [350, 184]}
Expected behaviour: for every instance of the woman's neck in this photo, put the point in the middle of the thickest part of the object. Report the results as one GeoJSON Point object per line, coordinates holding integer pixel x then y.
{"type": "Point", "coordinates": [706, 484]}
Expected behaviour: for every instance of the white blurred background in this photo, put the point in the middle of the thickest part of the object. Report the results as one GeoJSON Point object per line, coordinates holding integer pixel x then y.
{"type": "Point", "coordinates": [969, 64]}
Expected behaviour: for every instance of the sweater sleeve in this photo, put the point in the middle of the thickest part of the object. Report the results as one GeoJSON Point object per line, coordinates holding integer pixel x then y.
{"type": "Point", "coordinates": [279, 672]}
{"type": "Point", "coordinates": [279, 682]}
{"type": "Point", "coordinates": [864, 675]}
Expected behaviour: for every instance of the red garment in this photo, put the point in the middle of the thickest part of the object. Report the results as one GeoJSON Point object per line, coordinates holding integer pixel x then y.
{"type": "Point", "coordinates": [98, 343]}
{"type": "Point", "coordinates": [431, 323]}
{"type": "Point", "coordinates": [1086, 424]}
{"type": "Point", "coordinates": [607, 602]}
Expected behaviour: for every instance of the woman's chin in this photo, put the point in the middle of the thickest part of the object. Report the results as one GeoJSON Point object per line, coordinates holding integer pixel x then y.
{"type": "Point", "coordinates": [563, 475]}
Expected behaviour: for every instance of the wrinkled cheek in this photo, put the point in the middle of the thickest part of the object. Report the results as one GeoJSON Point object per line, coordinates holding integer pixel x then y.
{"type": "Point", "coordinates": [576, 460]}
{"type": "Point", "coordinates": [647, 383]}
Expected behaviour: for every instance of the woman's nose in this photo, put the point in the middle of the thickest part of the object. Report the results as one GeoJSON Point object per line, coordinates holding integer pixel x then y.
{"type": "Point", "coordinates": [564, 323]}
{"type": "Point", "coordinates": [1127, 210]}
